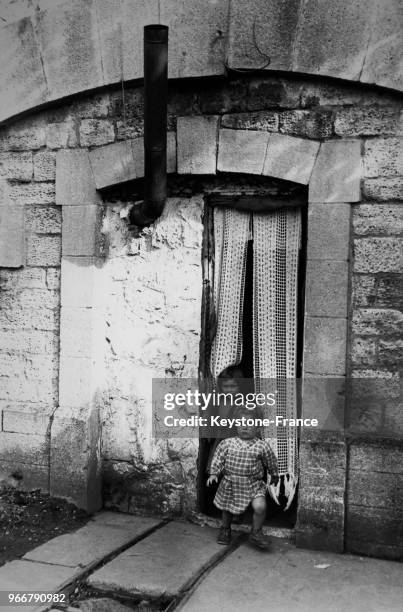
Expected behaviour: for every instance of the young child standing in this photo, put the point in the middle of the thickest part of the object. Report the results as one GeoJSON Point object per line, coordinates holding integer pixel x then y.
{"type": "Point", "coordinates": [240, 462]}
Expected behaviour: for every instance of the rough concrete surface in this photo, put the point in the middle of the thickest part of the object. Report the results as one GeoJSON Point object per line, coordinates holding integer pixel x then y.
{"type": "Point", "coordinates": [298, 581]}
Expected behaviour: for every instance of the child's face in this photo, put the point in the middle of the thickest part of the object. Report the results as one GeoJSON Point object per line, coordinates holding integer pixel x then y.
{"type": "Point", "coordinates": [229, 385]}
{"type": "Point", "coordinates": [246, 432]}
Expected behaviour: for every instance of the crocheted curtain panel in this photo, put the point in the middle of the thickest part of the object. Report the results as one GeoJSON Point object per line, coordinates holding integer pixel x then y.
{"type": "Point", "coordinates": [276, 244]}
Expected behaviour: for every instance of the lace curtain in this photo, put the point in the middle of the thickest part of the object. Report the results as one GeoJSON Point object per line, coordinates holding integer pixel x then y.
{"type": "Point", "coordinates": [276, 244]}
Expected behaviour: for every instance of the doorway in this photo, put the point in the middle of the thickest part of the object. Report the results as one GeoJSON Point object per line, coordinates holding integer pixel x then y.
{"type": "Point", "coordinates": [276, 514]}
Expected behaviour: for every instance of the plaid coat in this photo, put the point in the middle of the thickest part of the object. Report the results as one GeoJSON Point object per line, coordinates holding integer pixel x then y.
{"type": "Point", "coordinates": [241, 464]}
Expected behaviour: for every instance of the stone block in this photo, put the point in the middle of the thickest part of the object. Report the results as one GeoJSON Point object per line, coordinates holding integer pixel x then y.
{"type": "Point", "coordinates": [75, 459]}
{"type": "Point", "coordinates": [90, 544]}
{"type": "Point", "coordinates": [61, 135]}
{"type": "Point", "coordinates": [372, 121]}
{"type": "Point", "coordinates": [81, 281]}
{"type": "Point", "coordinates": [307, 124]}
{"type": "Point", "coordinates": [266, 121]}
{"type": "Point", "coordinates": [291, 159]}
{"type": "Point", "coordinates": [30, 378]}
{"type": "Point", "coordinates": [138, 154]}
{"type": "Point", "coordinates": [262, 31]}
{"type": "Point", "coordinates": [197, 144]}
{"type": "Point", "coordinates": [392, 418]}
{"type": "Point", "coordinates": [323, 464]}
{"type": "Point", "coordinates": [32, 342]}
{"type": "Point", "coordinates": [242, 151]}
{"type": "Point", "coordinates": [16, 166]}
{"type": "Point", "coordinates": [21, 69]}
{"type": "Point", "coordinates": [376, 321]}
{"type": "Point", "coordinates": [383, 157]}
{"type": "Point", "coordinates": [332, 42]}
{"type": "Point", "coordinates": [35, 577]}
{"type": "Point", "coordinates": [74, 179]}
{"type": "Point", "coordinates": [32, 193]}
{"type": "Point", "coordinates": [389, 294]}
{"type": "Point", "coordinates": [375, 489]}
{"type": "Point", "coordinates": [373, 255]}
{"type": "Point", "coordinates": [382, 61]}
{"type": "Point", "coordinates": [45, 166]}
{"type": "Point", "coordinates": [378, 219]}
{"type": "Point", "coordinates": [383, 189]}
{"type": "Point", "coordinates": [29, 309]}
{"type": "Point", "coordinates": [363, 351]}
{"type": "Point", "coordinates": [336, 174]}
{"type": "Point", "coordinates": [25, 135]}
{"type": "Point", "coordinates": [70, 47]}
{"type": "Point", "coordinates": [364, 290]}
{"type": "Point", "coordinates": [18, 421]}
{"type": "Point", "coordinates": [113, 163]}
{"type": "Point", "coordinates": [197, 36]}
{"type": "Point", "coordinates": [43, 219]}
{"type": "Point", "coordinates": [390, 353]}
{"type": "Point", "coordinates": [76, 377]}
{"type": "Point", "coordinates": [374, 532]}
{"type": "Point", "coordinates": [223, 97]}
{"type": "Point", "coordinates": [30, 477]}
{"type": "Point", "coordinates": [24, 278]}
{"type": "Point", "coordinates": [382, 456]}
{"type": "Point", "coordinates": [272, 92]}
{"type": "Point", "coordinates": [43, 250]}
{"type": "Point", "coordinates": [323, 242]}
{"type": "Point", "coordinates": [95, 106]}
{"type": "Point", "coordinates": [121, 25]}
{"type": "Point", "coordinates": [12, 236]}
{"type": "Point", "coordinates": [81, 230]}
{"type": "Point", "coordinates": [31, 449]}
{"type": "Point", "coordinates": [323, 398]}
{"type": "Point", "coordinates": [326, 288]}
{"type": "Point", "coordinates": [53, 279]}
{"type": "Point", "coordinates": [320, 522]}
{"type": "Point", "coordinates": [96, 132]}
{"type": "Point", "coordinates": [325, 346]}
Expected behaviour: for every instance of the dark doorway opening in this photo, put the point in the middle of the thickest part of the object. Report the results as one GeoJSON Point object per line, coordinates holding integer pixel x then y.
{"type": "Point", "coordinates": [276, 515]}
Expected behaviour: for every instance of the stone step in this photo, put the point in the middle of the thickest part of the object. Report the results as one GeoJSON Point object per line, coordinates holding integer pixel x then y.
{"type": "Point", "coordinates": [162, 565]}
{"type": "Point", "coordinates": [274, 531]}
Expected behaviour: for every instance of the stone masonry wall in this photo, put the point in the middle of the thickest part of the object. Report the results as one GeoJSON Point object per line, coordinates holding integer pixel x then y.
{"type": "Point", "coordinates": [153, 295]}
{"type": "Point", "coordinates": [30, 299]}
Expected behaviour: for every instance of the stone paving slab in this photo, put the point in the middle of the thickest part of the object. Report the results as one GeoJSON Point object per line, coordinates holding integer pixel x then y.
{"type": "Point", "coordinates": [33, 578]}
{"type": "Point", "coordinates": [161, 565]}
{"type": "Point", "coordinates": [287, 579]}
{"type": "Point", "coordinates": [92, 542]}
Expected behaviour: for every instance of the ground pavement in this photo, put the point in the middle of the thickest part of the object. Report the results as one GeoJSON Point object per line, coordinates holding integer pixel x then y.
{"type": "Point", "coordinates": [118, 563]}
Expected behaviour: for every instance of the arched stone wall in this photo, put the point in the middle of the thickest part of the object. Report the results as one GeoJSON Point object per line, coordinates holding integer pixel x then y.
{"type": "Point", "coordinates": [51, 49]}
{"type": "Point", "coordinates": [303, 131]}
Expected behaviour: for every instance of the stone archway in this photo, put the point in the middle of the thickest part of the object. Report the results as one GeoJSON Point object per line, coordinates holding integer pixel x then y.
{"type": "Point", "coordinates": [332, 170]}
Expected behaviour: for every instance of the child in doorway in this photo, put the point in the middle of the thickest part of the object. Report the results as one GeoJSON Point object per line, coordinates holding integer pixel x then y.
{"type": "Point", "coordinates": [240, 462]}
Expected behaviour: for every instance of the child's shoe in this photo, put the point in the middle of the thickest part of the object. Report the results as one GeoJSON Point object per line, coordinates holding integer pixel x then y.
{"type": "Point", "coordinates": [257, 539]}
{"type": "Point", "coordinates": [224, 535]}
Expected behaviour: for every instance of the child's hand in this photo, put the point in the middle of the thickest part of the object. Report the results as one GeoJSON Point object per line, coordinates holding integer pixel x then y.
{"type": "Point", "coordinates": [212, 479]}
